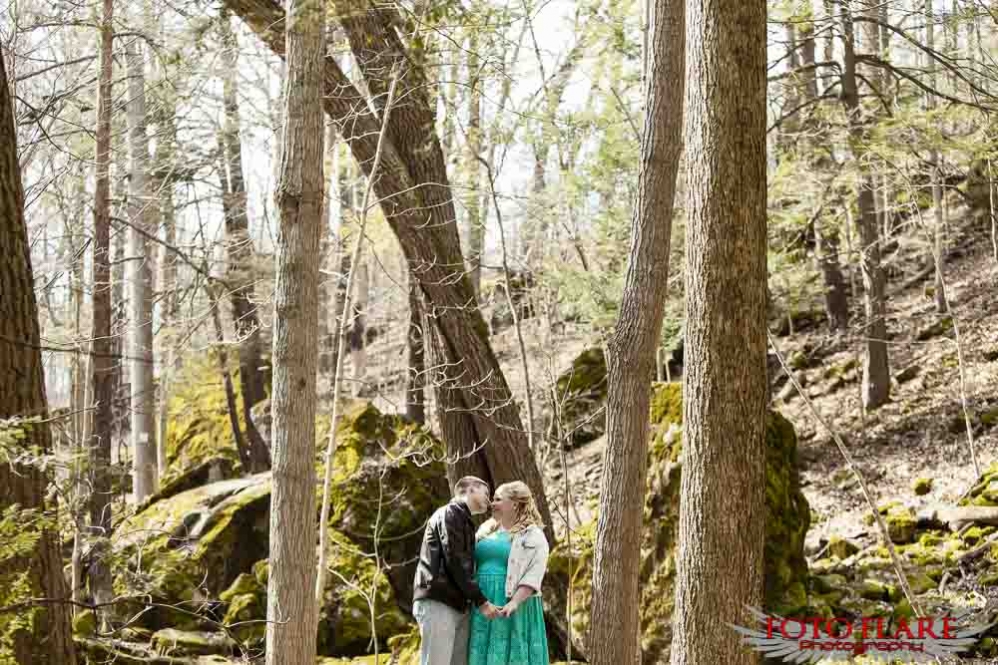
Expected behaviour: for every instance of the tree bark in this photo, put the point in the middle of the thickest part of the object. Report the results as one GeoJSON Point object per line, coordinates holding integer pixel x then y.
{"type": "Point", "coordinates": [826, 235]}
{"type": "Point", "coordinates": [722, 515]}
{"type": "Point", "coordinates": [631, 349]}
{"type": "Point", "coordinates": [416, 379]}
{"type": "Point", "coordinates": [170, 308]}
{"type": "Point", "coordinates": [291, 610]}
{"type": "Point", "coordinates": [140, 272]}
{"type": "Point", "coordinates": [47, 638]}
{"type": "Point", "coordinates": [103, 364]}
{"type": "Point", "coordinates": [939, 228]}
{"type": "Point", "coordinates": [474, 222]}
{"type": "Point", "coordinates": [416, 199]}
{"type": "Point", "coordinates": [358, 328]}
{"type": "Point", "coordinates": [876, 371]}
{"type": "Point", "coordinates": [239, 247]}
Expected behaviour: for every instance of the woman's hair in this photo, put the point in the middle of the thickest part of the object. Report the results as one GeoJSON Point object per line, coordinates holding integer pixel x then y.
{"type": "Point", "coordinates": [526, 513]}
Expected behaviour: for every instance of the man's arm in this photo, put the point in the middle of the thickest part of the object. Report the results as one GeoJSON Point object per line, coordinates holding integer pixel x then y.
{"type": "Point", "coordinates": [458, 557]}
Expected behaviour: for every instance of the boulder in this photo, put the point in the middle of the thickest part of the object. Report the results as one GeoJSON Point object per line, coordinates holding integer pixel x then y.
{"type": "Point", "coordinates": [201, 554]}
{"type": "Point", "coordinates": [198, 427]}
{"type": "Point", "coordinates": [581, 391]}
{"type": "Point", "coordinates": [786, 571]}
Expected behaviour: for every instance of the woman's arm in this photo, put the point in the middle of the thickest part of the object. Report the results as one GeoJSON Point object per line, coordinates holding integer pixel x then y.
{"type": "Point", "coordinates": [522, 593]}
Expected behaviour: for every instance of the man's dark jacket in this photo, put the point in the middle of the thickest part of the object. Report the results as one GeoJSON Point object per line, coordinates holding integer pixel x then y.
{"type": "Point", "coordinates": [446, 567]}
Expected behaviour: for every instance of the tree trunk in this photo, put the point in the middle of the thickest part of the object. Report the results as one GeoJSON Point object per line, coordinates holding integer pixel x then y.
{"type": "Point", "coordinates": [140, 271]}
{"type": "Point", "coordinates": [826, 235]}
{"type": "Point", "coordinates": [239, 247]}
{"type": "Point", "coordinates": [417, 201]}
{"type": "Point", "coordinates": [416, 377]}
{"type": "Point", "coordinates": [358, 329]}
{"type": "Point", "coordinates": [291, 610]}
{"type": "Point", "coordinates": [719, 556]}
{"type": "Point", "coordinates": [836, 297]}
{"type": "Point", "coordinates": [170, 312]}
{"type": "Point", "coordinates": [935, 176]}
{"type": "Point", "coordinates": [103, 363]}
{"type": "Point", "coordinates": [876, 371]}
{"type": "Point", "coordinates": [47, 636]}
{"type": "Point", "coordinates": [631, 350]}
{"type": "Point", "coordinates": [474, 222]}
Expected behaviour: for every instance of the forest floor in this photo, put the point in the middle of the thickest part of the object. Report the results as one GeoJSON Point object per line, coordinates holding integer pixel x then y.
{"type": "Point", "coordinates": [921, 432]}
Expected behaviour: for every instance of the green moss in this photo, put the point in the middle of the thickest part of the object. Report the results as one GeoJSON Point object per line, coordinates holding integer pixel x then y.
{"type": "Point", "coordinates": [198, 426]}
{"type": "Point", "coordinates": [84, 623]}
{"type": "Point", "coordinates": [989, 418]}
{"type": "Point", "coordinates": [921, 583]}
{"type": "Point", "coordinates": [841, 370]}
{"type": "Point", "coordinates": [922, 486]}
{"type": "Point", "coordinates": [940, 327]}
{"type": "Point", "coordinates": [841, 548]}
{"type": "Point", "coordinates": [901, 524]}
{"type": "Point", "coordinates": [171, 642]}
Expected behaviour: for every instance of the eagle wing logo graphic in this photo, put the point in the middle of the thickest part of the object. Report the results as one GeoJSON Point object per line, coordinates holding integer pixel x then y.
{"type": "Point", "coordinates": [817, 646]}
{"type": "Point", "coordinates": [778, 646]}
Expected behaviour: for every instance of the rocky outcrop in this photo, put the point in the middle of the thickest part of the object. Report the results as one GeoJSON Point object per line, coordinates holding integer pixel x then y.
{"type": "Point", "coordinates": [786, 573]}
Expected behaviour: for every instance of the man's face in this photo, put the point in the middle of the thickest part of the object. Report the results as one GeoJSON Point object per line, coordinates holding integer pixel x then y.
{"type": "Point", "coordinates": [477, 498]}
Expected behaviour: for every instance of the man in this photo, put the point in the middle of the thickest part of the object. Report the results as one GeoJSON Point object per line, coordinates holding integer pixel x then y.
{"type": "Point", "coordinates": [444, 588]}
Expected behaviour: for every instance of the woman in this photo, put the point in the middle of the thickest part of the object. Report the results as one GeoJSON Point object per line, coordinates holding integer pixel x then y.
{"type": "Point", "coordinates": [511, 554]}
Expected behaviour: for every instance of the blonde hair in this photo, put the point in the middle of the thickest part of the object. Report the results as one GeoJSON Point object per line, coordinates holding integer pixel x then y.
{"type": "Point", "coordinates": [523, 503]}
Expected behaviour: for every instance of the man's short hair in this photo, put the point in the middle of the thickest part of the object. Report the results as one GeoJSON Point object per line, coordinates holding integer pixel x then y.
{"type": "Point", "coordinates": [461, 488]}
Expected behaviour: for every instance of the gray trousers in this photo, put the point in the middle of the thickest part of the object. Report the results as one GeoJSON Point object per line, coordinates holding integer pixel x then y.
{"type": "Point", "coordinates": [443, 633]}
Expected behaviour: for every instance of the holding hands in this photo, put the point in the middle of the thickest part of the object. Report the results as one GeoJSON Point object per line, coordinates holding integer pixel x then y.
{"type": "Point", "coordinates": [490, 611]}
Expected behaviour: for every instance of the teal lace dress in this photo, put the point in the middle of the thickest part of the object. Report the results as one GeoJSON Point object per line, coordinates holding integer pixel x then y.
{"type": "Point", "coordinates": [519, 640]}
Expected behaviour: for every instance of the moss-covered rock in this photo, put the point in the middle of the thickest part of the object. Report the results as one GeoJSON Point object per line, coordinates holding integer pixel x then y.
{"type": "Point", "coordinates": [985, 490]}
{"type": "Point", "coordinates": [387, 479]}
{"type": "Point", "coordinates": [184, 550]}
{"type": "Point", "coordinates": [171, 642]}
{"type": "Point", "coordinates": [901, 524]}
{"type": "Point", "coordinates": [581, 390]}
{"type": "Point", "coordinates": [201, 554]}
{"type": "Point", "coordinates": [198, 426]}
{"type": "Point", "coordinates": [786, 572]}
{"type": "Point", "coordinates": [841, 547]}
{"type": "Point", "coordinates": [922, 486]}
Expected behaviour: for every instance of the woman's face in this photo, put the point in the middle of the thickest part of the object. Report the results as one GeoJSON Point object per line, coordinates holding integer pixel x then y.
{"type": "Point", "coordinates": [502, 508]}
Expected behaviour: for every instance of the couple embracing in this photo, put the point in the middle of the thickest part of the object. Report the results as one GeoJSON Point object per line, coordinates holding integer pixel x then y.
{"type": "Point", "coordinates": [496, 573]}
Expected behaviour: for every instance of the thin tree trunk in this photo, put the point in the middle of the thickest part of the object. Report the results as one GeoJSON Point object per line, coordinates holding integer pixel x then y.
{"type": "Point", "coordinates": [416, 377]}
{"type": "Point", "coordinates": [631, 349]}
{"type": "Point", "coordinates": [239, 247]}
{"type": "Point", "coordinates": [47, 636]}
{"type": "Point", "coordinates": [103, 364]}
{"type": "Point", "coordinates": [939, 229]}
{"type": "Point", "coordinates": [474, 222]}
{"type": "Point", "coordinates": [140, 272]}
{"type": "Point", "coordinates": [170, 312]}
{"type": "Point", "coordinates": [253, 453]}
{"type": "Point", "coordinates": [723, 489]}
{"type": "Point", "coordinates": [876, 371]}
{"type": "Point", "coordinates": [836, 298]}
{"type": "Point", "coordinates": [291, 610]}
{"type": "Point", "coordinates": [826, 235]}
{"type": "Point", "coordinates": [358, 328]}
